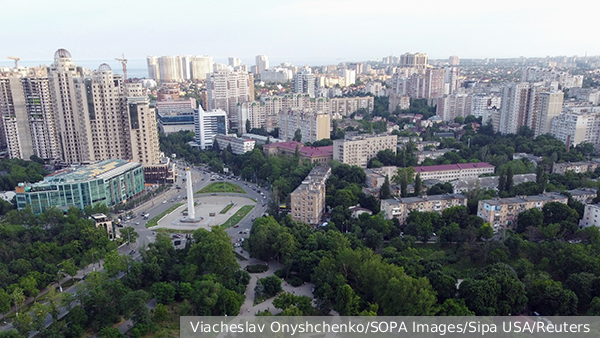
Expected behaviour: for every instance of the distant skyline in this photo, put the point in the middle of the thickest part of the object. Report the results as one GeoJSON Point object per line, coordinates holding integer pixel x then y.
{"type": "Point", "coordinates": [336, 30]}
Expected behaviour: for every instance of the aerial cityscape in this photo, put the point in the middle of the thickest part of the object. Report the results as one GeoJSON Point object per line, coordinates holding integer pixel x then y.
{"type": "Point", "coordinates": [145, 181]}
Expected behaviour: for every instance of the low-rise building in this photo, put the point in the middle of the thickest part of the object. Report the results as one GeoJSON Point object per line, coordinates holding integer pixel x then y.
{"type": "Point", "coordinates": [431, 154]}
{"type": "Point", "coordinates": [260, 139]}
{"type": "Point", "coordinates": [577, 167]}
{"type": "Point", "coordinates": [313, 154]}
{"type": "Point", "coordinates": [591, 216]}
{"type": "Point", "coordinates": [450, 172]}
{"type": "Point", "coordinates": [238, 145]}
{"type": "Point", "coordinates": [162, 173]}
{"type": "Point", "coordinates": [375, 177]}
{"type": "Point", "coordinates": [108, 182]}
{"type": "Point", "coordinates": [359, 149]}
{"type": "Point", "coordinates": [175, 121]}
{"type": "Point", "coordinates": [103, 221]}
{"type": "Point", "coordinates": [400, 208]}
{"type": "Point", "coordinates": [584, 195]}
{"type": "Point", "coordinates": [308, 200]}
{"type": "Point", "coordinates": [502, 213]}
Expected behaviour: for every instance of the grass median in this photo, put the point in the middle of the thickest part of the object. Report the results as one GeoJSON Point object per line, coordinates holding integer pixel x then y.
{"type": "Point", "coordinates": [237, 217]}
{"type": "Point", "coordinates": [221, 187]}
{"type": "Point", "coordinates": [154, 221]}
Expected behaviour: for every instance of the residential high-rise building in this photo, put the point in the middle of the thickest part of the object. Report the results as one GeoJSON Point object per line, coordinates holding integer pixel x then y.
{"type": "Point", "coordinates": [142, 125]}
{"type": "Point", "coordinates": [200, 66]}
{"type": "Point", "coordinates": [234, 62]}
{"type": "Point", "coordinates": [549, 106]}
{"type": "Point", "coordinates": [359, 149]}
{"type": "Point", "coordinates": [226, 89]}
{"type": "Point", "coordinates": [65, 80]}
{"type": "Point", "coordinates": [454, 60]}
{"type": "Point", "coordinates": [314, 125]}
{"type": "Point", "coordinates": [262, 63]}
{"type": "Point", "coordinates": [153, 72]}
{"type": "Point", "coordinates": [452, 76]}
{"type": "Point", "coordinates": [416, 60]}
{"type": "Point", "coordinates": [26, 114]}
{"type": "Point", "coordinates": [97, 118]}
{"type": "Point", "coordinates": [170, 69]}
{"type": "Point", "coordinates": [304, 82]}
{"type": "Point", "coordinates": [451, 106]}
{"type": "Point", "coordinates": [515, 105]}
{"type": "Point", "coordinates": [401, 208]}
{"type": "Point", "coordinates": [208, 125]}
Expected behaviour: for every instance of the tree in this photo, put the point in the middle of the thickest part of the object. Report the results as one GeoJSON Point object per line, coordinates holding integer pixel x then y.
{"type": "Point", "coordinates": [129, 234]}
{"type": "Point", "coordinates": [18, 298]}
{"type": "Point", "coordinates": [110, 332]}
{"type": "Point", "coordinates": [550, 299]}
{"type": "Point", "coordinates": [418, 185]}
{"type": "Point", "coordinates": [529, 218]}
{"type": "Point", "coordinates": [38, 313]}
{"type": "Point", "coordinates": [161, 313]}
{"type": "Point", "coordinates": [385, 192]}
{"type": "Point", "coordinates": [454, 307]}
{"type": "Point", "coordinates": [509, 179]}
{"type": "Point", "coordinates": [297, 135]}
{"type": "Point", "coordinates": [347, 301]}
{"type": "Point", "coordinates": [502, 182]}
{"type": "Point", "coordinates": [541, 179]}
{"type": "Point", "coordinates": [5, 301]}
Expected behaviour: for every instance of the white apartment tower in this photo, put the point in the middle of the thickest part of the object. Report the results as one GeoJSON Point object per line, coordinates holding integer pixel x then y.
{"type": "Point", "coordinates": [225, 89]}
{"type": "Point", "coordinates": [515, 104]}
{"type": "Point", "coordinates": [170, 69]}
{"type": "Point", "coordinates": [550, 105]}
{"type": "Point", "coordinates": [314, 125]}
{"type": "Point", "coordinates": [304, 82]}
{"type": "Point", "coordinates": [200, 66]}
{"type": "Point", "coordinates": [262, 63]}
{"type": "Point", "coordinates": [142, 125]}
{"type": "Point", "coordinates": [153, 72]}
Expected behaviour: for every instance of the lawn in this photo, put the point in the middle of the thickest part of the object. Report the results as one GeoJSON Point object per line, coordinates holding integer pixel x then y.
{"type": "Point", "coordinates": [237, 217]}
{"type": "Point", "coordinates": [226, 209]}
{"type": "Point", "coordinates": [154, 220]}
{"type": "Point", "coordinates": [221, 187]}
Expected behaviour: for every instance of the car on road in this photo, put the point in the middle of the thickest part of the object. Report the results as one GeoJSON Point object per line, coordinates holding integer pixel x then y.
{"type": "Point", "coordinates": [236, 226]}
{"type": "Point", "coordinates": [165, 201]}
{"type": "Point", "coordinates": [137, 223]}
{"type": "Point", "coordinates": [214, 194]}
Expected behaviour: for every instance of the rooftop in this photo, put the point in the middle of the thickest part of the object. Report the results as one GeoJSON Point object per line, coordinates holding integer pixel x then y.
{"type": "Point", "coordinates": [103, 169]}
{"type": "Point", "coordinates": [458, 166]}
{"type": "Point", "coordinates": [547, 197]}
{"type": "Point", "coordinates": [417, 199]}
{"type": "Point", "coordinates": [304, 151]}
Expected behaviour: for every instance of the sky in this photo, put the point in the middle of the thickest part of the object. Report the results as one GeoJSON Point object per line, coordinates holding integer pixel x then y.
{"type": "Point", "coordinates": [301, 31]}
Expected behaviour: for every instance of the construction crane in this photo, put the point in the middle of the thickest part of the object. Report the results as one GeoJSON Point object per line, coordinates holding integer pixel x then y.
{"type": "Point", "coordinates": [16, 60]}
{"type": "Point", "coordinates": [123, 61]}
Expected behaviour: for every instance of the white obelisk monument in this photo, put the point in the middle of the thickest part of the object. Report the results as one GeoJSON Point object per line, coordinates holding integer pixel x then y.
{"type": "Point", "coordinates": [190, 195]}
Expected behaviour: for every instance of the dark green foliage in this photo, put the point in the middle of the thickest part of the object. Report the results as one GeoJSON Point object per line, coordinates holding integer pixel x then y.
{"type": "Point", "coordinates": [256, 268]}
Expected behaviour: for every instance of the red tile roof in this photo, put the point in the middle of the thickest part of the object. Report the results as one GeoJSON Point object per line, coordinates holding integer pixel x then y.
{"type": "Point", "coordinates": [458, 166]}
{"type": "Point", "coordinates": [305, 151]}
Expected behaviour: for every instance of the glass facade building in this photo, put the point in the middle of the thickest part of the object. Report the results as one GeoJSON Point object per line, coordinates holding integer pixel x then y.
{"type": "Point", "coordinates": [109, 182]}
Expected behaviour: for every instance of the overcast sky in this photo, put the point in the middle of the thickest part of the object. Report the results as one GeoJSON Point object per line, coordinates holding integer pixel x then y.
{"type": "Point", "coordinates": [328, 30]}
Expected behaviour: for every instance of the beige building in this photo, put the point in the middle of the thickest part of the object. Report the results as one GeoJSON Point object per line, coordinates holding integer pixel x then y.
{"type": "Point", "coordinates": [402, 207]}
{"type": "Point", "coordinates": [142, 126]}
{"type": "Point", "coordinates": [314, 125]}
{"type": "Point", "coordinates": [345, 106]}
{"type": "Point", "coordinates": [103, 221]}
{"type": "Point", "coordinates": [308, 200]}
{"type": "Point", "coordinates": [450, 172]}
{"type": "Point", "coordinates": [577, 125]}
{"type": "Point", "coordinates": [359, 149]}
{"type": "Point", "coordinates": [502, 213]}
{"type": "Point", "coordinates": [576, 167]}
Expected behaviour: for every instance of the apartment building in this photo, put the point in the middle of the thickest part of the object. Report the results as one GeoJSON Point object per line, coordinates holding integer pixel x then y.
{"type": "Point", "coordinates": [345, 106]}
{"type": "Point", "coordinates": [591, 216]}
{"type": "Point", "coordinates": [576, 125]}
{"type": "Point", "coordinates": [450, 172]}
{"type": "Point", "coordinates": [431, 154]}
{"type": "Point", "coordinates": [313, 125]}
{"type": "Point", "coordinates": [454, 105]}
{"type": "Point", "coordinates": [502, 213]}
{"type": "Point", "coordinates": [27, 115]}
{"type": "Point", "coordinates": [304, 82]}
{"type": "Point", "coordinates": [308, 200]}
{"type": "Point", "coordinates": [583, 195]}
{"type": "Point", "coordinates": [577, 167]}
{"type": "Point", "coordinates": [238, 145]}
{"type": "Point", "coordinates": [359, 149]}
{"type": "Point", "coordinates": [400, 208]}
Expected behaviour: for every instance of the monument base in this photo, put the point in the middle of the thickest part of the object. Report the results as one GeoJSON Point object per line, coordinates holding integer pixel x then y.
{"type": "Point", "coordinates": [191, 220]}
